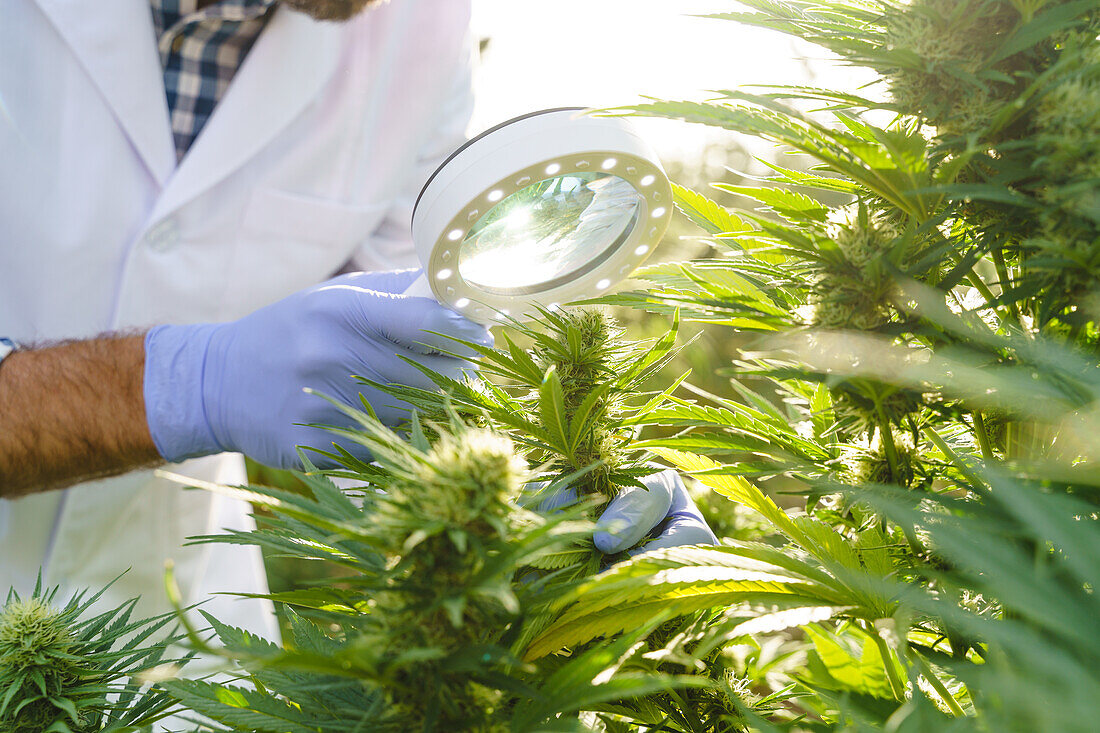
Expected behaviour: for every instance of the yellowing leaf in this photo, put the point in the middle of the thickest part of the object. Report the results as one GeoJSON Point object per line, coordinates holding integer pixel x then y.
{"type": "Point", "coordinates": [677, 591]}
{"type": "Point", "coordinates": [735, 488]}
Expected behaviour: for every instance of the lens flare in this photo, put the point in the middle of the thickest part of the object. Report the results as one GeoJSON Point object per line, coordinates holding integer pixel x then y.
{"type": "Point", "coordinates": [549, 232]}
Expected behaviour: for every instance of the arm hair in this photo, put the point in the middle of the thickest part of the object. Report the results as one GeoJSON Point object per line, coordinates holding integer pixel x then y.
{"type": "Point", "coordinates": [72, 412]}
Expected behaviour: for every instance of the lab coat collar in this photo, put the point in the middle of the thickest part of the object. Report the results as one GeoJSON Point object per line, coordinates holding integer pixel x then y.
{"type": "Point", "coordinates": [285, 70]}
{"type": "Point", "coordinates": [116, 44]}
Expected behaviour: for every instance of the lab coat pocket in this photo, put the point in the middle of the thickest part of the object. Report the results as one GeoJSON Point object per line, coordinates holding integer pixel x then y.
{"type": "Point", "coordinates": [289, 241]}
{"type": "Point", "coordinates": [292, 217]}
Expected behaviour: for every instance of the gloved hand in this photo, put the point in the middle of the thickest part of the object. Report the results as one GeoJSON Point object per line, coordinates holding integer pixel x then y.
{"type": "Point", "coordinates": [238, 386]}
{"type": "Point", "coordinates": [664, 508]}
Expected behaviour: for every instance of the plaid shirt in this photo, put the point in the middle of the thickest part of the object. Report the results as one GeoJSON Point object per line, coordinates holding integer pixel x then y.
{"type": "Point", "coordinates": [202, 44]}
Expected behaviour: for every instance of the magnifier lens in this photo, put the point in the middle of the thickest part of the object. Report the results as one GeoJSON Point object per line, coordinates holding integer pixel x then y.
{"type": "Point", "coordinates": [549, 233]}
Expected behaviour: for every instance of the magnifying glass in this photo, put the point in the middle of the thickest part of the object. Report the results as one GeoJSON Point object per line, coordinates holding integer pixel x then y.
{"type": "Point", "coordinates": [541, 210]}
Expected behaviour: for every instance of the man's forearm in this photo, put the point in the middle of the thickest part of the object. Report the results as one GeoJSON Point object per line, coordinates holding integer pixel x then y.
{"type": "Point", "coordinates": [72, 412]}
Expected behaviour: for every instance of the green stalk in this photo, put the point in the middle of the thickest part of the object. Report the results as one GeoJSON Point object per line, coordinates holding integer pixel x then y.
{"type": "Point", "coordinates": [938, 686]}
{"type": "Point", "coordinates": [1012, 440]}
{"type": "Point", "coordinates": [978, 283]}
{"type": "Point", "coordinates": [911, 540]}
{"type": "Point", "coordinates": [940, 443]}
{"type": "Point", "coordinates": [888, 443]}
{"type": "Point", "coordinates": [1002, 275]}
{"type": "Point", "coordinates": [982, 436]}
{"type": "Point", "coordinates": [897, 685]}
{"type": "Point", "coordinates": [954, 457]}
{"type": "Point", "coordinates": [892, 460]}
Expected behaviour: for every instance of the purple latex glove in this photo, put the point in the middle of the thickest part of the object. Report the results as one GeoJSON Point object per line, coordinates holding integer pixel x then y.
{"type": "Point", "coordinates": [663, 509]}
{"type": "Point", "coordinates": [238, 386]}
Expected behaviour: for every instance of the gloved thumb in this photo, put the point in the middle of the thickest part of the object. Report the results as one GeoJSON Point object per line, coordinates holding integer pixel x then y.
{"type": "Point", "coordinates": [685, 524]}
{"type": "Point", "coordinates": [632, 514]}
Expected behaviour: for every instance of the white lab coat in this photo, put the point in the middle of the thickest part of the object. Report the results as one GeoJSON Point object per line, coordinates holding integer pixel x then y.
{"type": "Point", "coordinates": [312, 159]}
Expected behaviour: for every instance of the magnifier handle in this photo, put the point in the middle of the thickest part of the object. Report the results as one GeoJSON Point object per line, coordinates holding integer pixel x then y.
{"type": "Point", "coordinates": [420, 288]}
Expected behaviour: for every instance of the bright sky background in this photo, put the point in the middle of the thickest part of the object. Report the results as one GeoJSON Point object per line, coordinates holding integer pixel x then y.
{"type": "Point", "coordinates": [601, 53]}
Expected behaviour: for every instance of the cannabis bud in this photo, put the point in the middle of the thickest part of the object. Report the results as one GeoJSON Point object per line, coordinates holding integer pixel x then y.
{"type": "Point", "coordinates": [1067, 123]}
{"type": "Point", "coordinates": [869, 464]}
{"type": "Point", "coordinates": [468, 476]}
{"type": "Point", "coordinates": [855, 291]}
{"type": "Point", "coordinates": [587, 353]}
{"type": "Point", "coordinates": [37, 669]}
{"type": "Point", "coordinates": [945, 43]}
{"type": "Point", "coordinates": [446, 527]}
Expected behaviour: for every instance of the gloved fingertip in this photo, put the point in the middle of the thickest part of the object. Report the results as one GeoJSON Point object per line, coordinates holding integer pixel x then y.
{"type": "Point", "coordinates": [393, 281]}
{"type": "Point", "coordinates": [609, 543]}
{"type": "Point", "coordinates": [559, 500]}
{"type": "Point", "coordinates": [650, 504]}
{"type": "Point", "coordinates": [438, 330]}
{"type": "Point", "coordinates": [618, 530]}
{"type": "Point", "coordinates": [631, 515]}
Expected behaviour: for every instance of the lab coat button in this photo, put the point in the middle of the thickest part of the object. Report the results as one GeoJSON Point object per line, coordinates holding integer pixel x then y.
{"type": "Point", "coordinates": [164, 236]}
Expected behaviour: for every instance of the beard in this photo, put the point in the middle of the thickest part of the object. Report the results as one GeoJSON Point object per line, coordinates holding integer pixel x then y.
{"type": "Point", "coordinates": [331, 9]}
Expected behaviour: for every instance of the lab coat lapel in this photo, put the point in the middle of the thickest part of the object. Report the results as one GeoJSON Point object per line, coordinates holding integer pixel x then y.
{"type": "Point", "coordinates": [115, 42]}
{"type": "Point", "coordinates": [285, 69]}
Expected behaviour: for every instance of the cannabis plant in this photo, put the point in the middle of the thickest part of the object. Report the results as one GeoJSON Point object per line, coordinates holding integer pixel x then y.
{"type": "Point", "coordinates": [574, 398]}
{"type": "Point", "coordinates": [922, 374]}
{"type": "Point", "coordinates": [71, 669]}
{"type": "Point", "coordinates": [418, 634]}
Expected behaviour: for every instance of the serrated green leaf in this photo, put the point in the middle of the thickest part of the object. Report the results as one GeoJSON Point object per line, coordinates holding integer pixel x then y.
{"type": "Point", "coordinates": [552, 412]}
{"type": "Point", "coordinates": [736, 488]}
{"type": "Point", "coordinates": [710, 216]}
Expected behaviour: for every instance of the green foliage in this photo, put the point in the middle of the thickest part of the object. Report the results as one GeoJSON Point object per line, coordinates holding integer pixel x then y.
{"type": "Point", "coordinates": [71, 670]}
{"type": "Point", "coordinates": [573, 399]}
{"type": "Point", "coordinates": [419, 634]}
{"type": "Point", "coordinates": [924, 370]}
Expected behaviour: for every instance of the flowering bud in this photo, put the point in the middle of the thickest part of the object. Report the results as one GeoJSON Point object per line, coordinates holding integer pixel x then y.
{"type": "Point", "coordinates": [36, 655]}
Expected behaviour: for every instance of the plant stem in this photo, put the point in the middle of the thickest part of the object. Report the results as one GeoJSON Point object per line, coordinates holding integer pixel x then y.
{"type": "Point", "coordinates": [978, 283]}
{"type": "Point", "coordinates": [888, 444]}
{"type": "Point", "coordinates": [897, 685]}
{"type": "Point", "coordinates": [938, 686]}
{"type": "Point", "coordinates": [1012, 440]}
{"type": "Point", "coordinates": [911, 540]}
{"type": "Point", "coordinates": [982, 436]}
{"type": "Point", "coordinates": [949, 454]}
{"type": "Point", "coordinates": [1002, 275]}
{"type": "Point", "coordinates": [940, 443]}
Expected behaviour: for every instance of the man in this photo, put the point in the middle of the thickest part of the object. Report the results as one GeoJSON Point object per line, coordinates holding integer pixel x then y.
{"type": "Point", "coordinates": [185, 162]}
